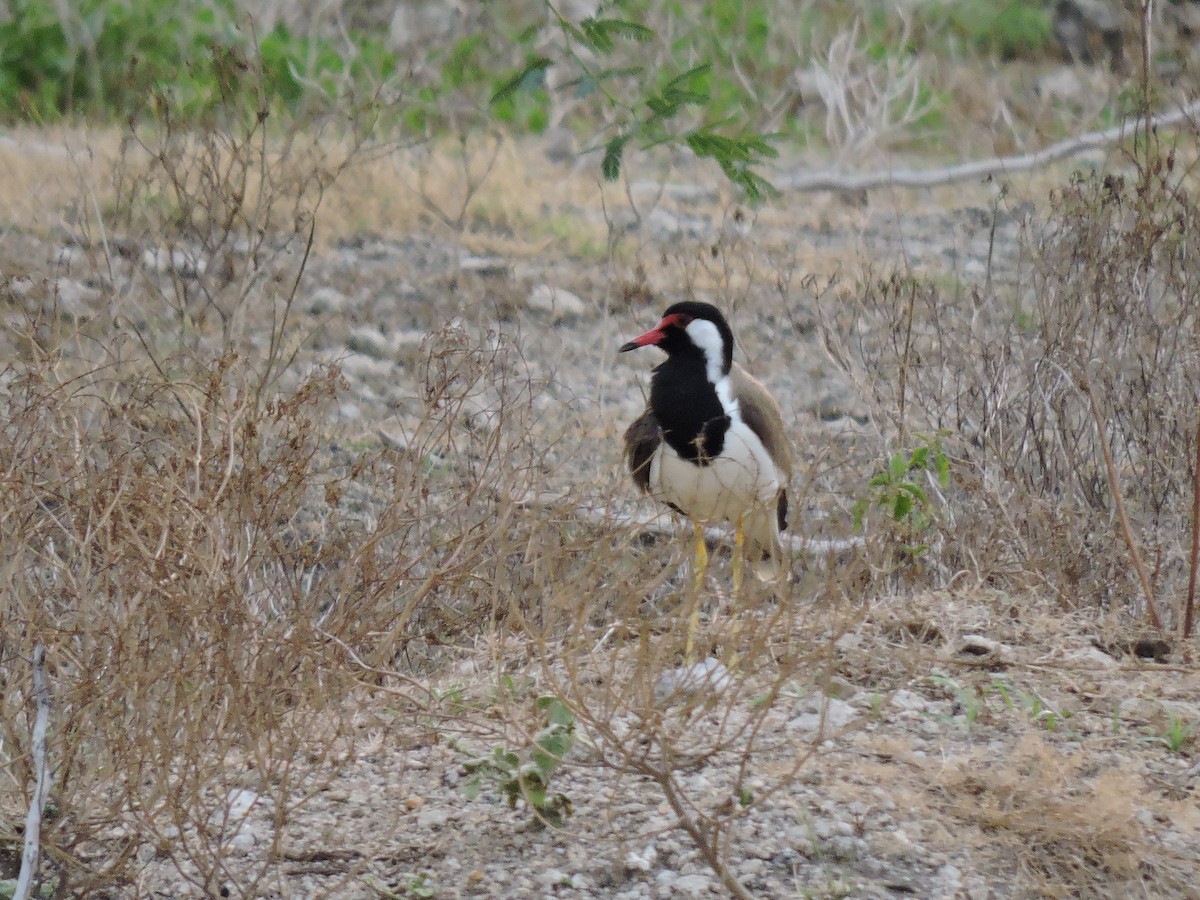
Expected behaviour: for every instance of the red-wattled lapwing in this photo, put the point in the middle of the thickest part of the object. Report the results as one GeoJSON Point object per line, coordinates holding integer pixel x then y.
{"type": "Point", "coordinates": [711, 443]}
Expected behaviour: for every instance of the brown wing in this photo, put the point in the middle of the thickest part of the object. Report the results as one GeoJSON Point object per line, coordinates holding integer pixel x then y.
{"type": "Point", "coordinates": [761, 413]}
{"type": "Point", "coordinates": [641, 440]}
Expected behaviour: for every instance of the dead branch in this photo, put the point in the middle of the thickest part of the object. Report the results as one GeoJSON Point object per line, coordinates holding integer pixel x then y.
{"type": "Point", "coordinates": [33, 818]}
{"type": "Point", "coordinates": [1189, 606]}
{"type": "Point", "coordinates": [1003, 165]}
{"type": "Point", "coordinates": [663, 523]}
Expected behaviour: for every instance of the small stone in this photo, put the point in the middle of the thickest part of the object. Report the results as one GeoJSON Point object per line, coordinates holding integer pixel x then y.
{"type": "Point", "coordinates": [552, 878]}
{"type": "Point", "coordinates": [244, 841]}
{"type": "Point", "coordinates": [679, 684]}
{"type": "Point", "coordinates": [909, 701]}
{"type": "Point", "coordinates": [485, 266]}
{"type": "Point", "coordinates": [643, 861]}
{"type": "Point", "coordinates": [71, 300]}
{"type": "Point", "coordinates": [369, 341]}
{"type": "Point", "coordinates": [692, 885]}
{"type": "Point", "coordinates": [818, 711]}
{"type": "Point", "coordinates": [414, 802]}
{"type": "Point", "coordinates": [239, 802]}
{"type": "Point", "coordinates": [325, 300]}
{"type": "Point", "coordinates": [432, 817]}
{"type": "Point", "coordinates": [560, 303]}
{"type": "Point", "coordinates": [178, 262]}
{"type": "Point", "coordinates": [1091, 656]}
{"type": "Point", "coordinates": [978, 647]}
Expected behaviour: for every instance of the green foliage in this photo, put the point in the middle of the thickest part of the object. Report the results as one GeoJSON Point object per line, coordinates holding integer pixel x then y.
{"type": "Point", "coordinates": [109, 60]}
{"type": "Point", "coordinates": [1009, 29]}
{"type": "Point", "coordinates": [528, 778]}
{"type": "Point", "coordinates": [894, 489]}
{"type": "Point", "coordinates": [656, 113]}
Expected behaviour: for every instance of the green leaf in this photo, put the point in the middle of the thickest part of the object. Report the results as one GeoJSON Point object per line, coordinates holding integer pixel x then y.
{"type": "Point", "coordinates": [613, 150]}
{"type": "Point", "coordinates": [942, 464]}
{"type": "Point", "coordinates": [679, 80]}
{"type": "Point", "coordinates": [918, 458]}
{"type": "Point", "coordinates": [557, 712]}
{"type": "Point", "coordinates": [633, 31]}
{"type": "Point", "coordinates": [858, 512]}
{"type": "Point", "coordinates": [902, 506]}
{"type": "Point", "coordinates": [915, 490]}
{"type": "Point", "coordinates": [527, 78]}
{"type": "Point", "coordinates": [601, 33]}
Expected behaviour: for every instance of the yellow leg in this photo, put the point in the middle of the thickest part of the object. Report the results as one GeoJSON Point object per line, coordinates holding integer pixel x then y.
{"type": "Point", "coordinates": [700, 567]}
{"type": "Point", "coordinates": [739, 562]}
{"type": "Point", "coordinates": [739, 558]}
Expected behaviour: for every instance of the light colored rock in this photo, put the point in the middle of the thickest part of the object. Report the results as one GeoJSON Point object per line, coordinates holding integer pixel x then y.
{"type": "Point", "coordinates": [559, 303]}
{"type": "Point", "coordinates": [325, 299]}
{"type": "Point", "coordinates": [641, 861]}
{"type": "Point", "coordinates": [676, 685]}
{"type": "Point", "coordinates": [909, 701]}
{"type": "Point", "coordinates": [818, 711]}
{"type": "Point", "coordinates": [71, 299]}
{"type": "Point", "coordinates": [1090, 656]}
{"type": "Point", "coordinates": [486, 266]}
{"type": "Point", "coordinates": [692, 885]}
{"type": "Point", "coordinates": [179, 262]}
{"type": "Point", "coordinates": [433, 817]}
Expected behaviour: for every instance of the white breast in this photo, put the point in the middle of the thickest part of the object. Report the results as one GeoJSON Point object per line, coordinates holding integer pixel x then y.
{"type": "Point", "coordinates": [740, 479]}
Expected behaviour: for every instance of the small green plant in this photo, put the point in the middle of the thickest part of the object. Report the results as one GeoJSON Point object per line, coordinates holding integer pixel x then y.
{"type": "Point", "coordinates": [895, 490]}
{"type": "Point", "coordinates": [967, 699]}
{"type": "Point", "coordinates": [528, 778]}
{"type": "Point", "coordinates": [420, 886]}
{"type": "Point", "coordinates": [1176, 734]}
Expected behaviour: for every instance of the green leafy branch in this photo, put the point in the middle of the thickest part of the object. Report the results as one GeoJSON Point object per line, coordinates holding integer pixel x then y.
{"type": "Point", "coordinates": [896, 491]}
{"type": "Point", "coordinates": [649, 120]}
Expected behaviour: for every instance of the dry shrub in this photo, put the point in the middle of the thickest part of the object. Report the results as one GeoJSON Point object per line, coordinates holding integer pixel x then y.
{"type": "Point", "coordinates": [1101, 304]}
{"type": "Point", "coordinates": [1066, 827]}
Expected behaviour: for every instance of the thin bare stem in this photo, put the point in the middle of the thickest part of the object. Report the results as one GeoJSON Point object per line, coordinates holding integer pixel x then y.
{"type": "Point", "coordinates": [1114, 487]}
{"type": "Point", "coordinates": [1189, 606]}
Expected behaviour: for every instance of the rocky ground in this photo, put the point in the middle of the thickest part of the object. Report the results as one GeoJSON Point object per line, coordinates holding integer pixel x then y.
{"type": "Point", "coordinates": [964, 743]}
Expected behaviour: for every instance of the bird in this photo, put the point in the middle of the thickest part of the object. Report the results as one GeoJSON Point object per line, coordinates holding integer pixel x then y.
{"type": "Point", "coordinates": [711, 443]}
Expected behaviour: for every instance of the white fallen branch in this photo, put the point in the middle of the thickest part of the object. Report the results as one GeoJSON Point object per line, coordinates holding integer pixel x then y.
{"type": "Point", "coordinates": [831, 180]}
{"type": "Point", "coordinates": [663, 523]}
{"type": "Point", "coordinates": [33, 818]}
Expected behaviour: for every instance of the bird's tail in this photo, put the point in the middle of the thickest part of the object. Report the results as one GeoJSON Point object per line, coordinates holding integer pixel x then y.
{"type": "Point", "coordinates": [763, 548]}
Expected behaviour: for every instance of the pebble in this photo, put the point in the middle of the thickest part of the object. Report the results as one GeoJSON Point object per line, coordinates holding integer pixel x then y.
{"type": "Point", "coordinates": [561, 304]}
{"type": "Point", "coordinates": [819, 710]}
{"type": "Point", "coordinates": [679, 684]}
{"type": "Point", "coordinates": [642, 861]}
{"type": "Point", "coordinates": [692, 885]}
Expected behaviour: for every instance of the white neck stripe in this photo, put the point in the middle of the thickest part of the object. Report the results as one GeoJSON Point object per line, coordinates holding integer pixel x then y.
{"type": "Point", "coordinates": [704, 334]}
